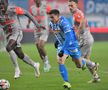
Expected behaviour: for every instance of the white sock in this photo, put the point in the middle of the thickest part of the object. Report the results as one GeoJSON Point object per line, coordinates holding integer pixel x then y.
{"type": "Point", "coordinates": [28, 60]}
{"type": "Point", "coordinates": [35, 64]}
{"type": "Point", "coordinates": [14, 58]}
{"type": "Point", "coordinates": [46, 61]}
{"type": "Point", "coordinates": [90, 64]}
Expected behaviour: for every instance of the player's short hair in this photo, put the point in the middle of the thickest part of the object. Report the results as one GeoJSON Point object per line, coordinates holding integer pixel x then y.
{"type": "Point", "coordinates": [76, 1]}
{"type": "Point", "coordinates": [54, 11]}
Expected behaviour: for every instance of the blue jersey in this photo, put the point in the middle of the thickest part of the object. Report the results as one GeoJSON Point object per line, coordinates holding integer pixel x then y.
{"type": "Point", "coordinates": [66, 36]}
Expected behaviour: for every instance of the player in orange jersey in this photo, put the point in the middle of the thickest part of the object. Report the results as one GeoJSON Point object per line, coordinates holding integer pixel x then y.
{"type": "Point", "coordinates": [84, 37]}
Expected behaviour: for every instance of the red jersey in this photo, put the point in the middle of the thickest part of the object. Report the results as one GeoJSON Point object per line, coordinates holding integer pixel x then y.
{"type": "Point", "coordinates": [78, 16]}
{"type": "Point", "coordinates": [40, 13]}
{"type": "Point", "coordinates": [9, 21]}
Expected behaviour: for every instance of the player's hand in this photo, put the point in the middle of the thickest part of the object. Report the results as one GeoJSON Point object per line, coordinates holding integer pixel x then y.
{"type": "Point", "coordinates": [60, 54]}
{"type": "Point", "coordinates": [56, 44]}
{"type": "Point", "coordinates": [42, 27]}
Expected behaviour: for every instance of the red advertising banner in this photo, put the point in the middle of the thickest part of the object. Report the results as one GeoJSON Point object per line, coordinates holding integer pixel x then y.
{"type": "Point", "coordinates": [92, 30]}
{"type": "Point", "coordinates": [99, 30]}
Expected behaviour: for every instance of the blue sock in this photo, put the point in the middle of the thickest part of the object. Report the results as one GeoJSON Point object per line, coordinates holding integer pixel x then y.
{"type": "Point", "coordinates": [83, 62]}
{"type": "Point", "coordinates": [63, 72]}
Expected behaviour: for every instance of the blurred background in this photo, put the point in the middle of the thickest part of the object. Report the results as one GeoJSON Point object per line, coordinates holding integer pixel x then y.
{"type": "Point", "coordinates": [95, 11]}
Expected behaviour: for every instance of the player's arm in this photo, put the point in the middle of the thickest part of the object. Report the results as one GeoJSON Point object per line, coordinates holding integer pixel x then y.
{"type": "Point", "coordinates": [67, 40]}
{"type": "Point", "coordinates": [31, 18]}
{"type": "Point", "coordinates": [51, 30]}
{"type": "Point", "coordinates": [67, 31]}
{"type": "Point", "coordinates": [50, 27]}
{"type": "Point", "coordinates": [29, 21]}
{"type": "Point", "coordinates": [80, 22]}
{"type": "Point", "coordinates": [28, 25]}
{"type": "Point", "coordinates": [21, 11]}
{"type": "Point", "coordinates": [66, 43]}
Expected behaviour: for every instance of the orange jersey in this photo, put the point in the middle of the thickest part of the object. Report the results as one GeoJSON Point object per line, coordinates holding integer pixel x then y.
{"type": "Point", "coordinates": [78, 16]}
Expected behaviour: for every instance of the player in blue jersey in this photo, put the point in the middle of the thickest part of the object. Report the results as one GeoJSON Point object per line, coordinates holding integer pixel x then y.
{"type": "Point", "coordinates": [67, 44]}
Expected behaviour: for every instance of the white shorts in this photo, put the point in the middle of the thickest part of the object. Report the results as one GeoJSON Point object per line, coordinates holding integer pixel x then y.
{"type": "Point", "coordinates": [43, 35]}
{"type": "Point", "coordinates": [86, 46]}
{"type": "Point", "coordinates": [86, 49]}
{"type": "Point", "coordinates": [17, 36]}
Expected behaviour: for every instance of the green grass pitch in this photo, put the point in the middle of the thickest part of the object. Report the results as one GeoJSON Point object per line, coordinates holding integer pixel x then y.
{"type": "Point", "coordinates": [52, 80]}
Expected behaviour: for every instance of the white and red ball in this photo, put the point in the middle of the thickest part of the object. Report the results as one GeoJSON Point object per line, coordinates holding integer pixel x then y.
{"type": "Point", "coordinates": [4, 84]}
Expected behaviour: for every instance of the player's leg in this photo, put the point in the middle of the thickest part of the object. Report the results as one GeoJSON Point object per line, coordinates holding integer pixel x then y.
{"type": "Point", "coordinates": [79, 61]}
{"type": "Point", "coordinates": [76, 57]}
{"type": "Point", "coordinates": [10, 47]}
{"type": "Point", "coordinates": [86, 52]}
{"type": "Point", "coordinates": [28, 60]}
{"type": "Point", "coordinates": [92, 66]}
{"type": "Point", "coordinates": [63, 71]}
{"type": "Point", "coordinates": [40, 44]}
{"type": "Point", "coordinates": [82, 62]}
{"type": "Point", "coordinates": [62, 67]}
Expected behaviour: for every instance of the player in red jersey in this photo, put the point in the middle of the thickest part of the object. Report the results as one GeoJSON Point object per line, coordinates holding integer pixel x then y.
{"type": "Point", "coordinates": [39, 10]}
{"type": "Point", "coordinates": [84, 37]}
{"type": "Point", "coordinates": [11, 26]}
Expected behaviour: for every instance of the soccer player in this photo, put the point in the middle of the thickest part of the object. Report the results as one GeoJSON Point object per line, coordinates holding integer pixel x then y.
{"type": "Point", "coordinates": [67, 44]}
{"type": "Point", "coordinates": [84, 37]}
{"type": "Point", "coordinates": [39, 10]}
{"type": "Point", "coordinates": [11, 26]}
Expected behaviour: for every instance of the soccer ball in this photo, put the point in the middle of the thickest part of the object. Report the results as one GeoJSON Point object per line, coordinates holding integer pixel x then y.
{"type": "Point", "coordinates": [4, 84]}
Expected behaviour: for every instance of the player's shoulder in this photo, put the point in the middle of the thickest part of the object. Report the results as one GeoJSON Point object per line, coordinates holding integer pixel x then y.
{"type": "Point", "coordinates": [63, 20]}
{"type": "Point", "coordinates": [78, 13]}
{"type": "Point", "coordinates": [19, 10]}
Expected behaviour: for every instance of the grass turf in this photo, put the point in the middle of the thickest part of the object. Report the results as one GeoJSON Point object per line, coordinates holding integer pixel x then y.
{"type": "Point", "coordinates": [52, 80]}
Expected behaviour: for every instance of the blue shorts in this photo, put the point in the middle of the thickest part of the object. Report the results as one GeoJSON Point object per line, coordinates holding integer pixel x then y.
{"type": "Point", "coordinates": [75, 53]}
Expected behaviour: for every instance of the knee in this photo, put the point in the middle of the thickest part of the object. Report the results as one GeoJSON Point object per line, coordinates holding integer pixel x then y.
{"type": "Point", "coordinates": [8, 48]}
{"type": "Point", "coordinates": [40, 45]}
